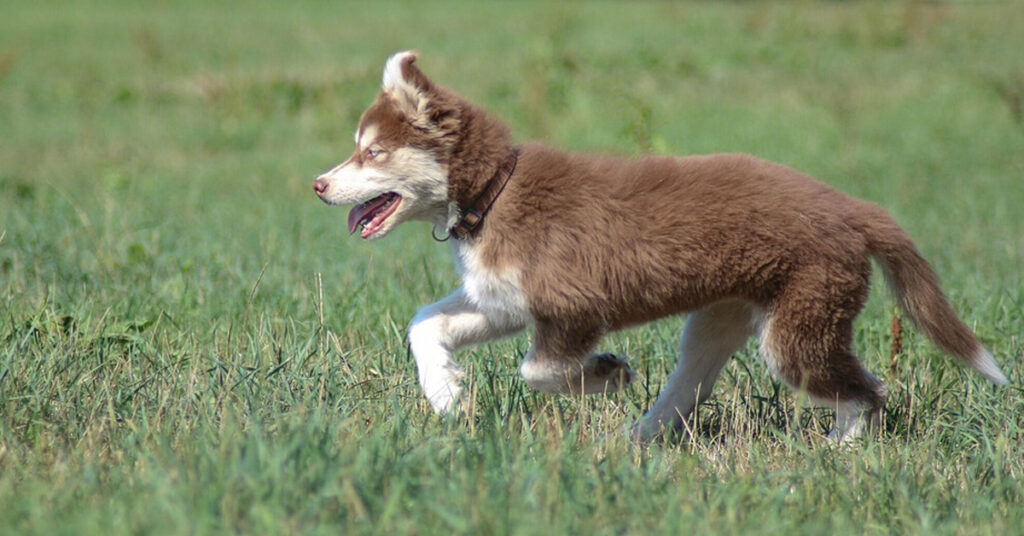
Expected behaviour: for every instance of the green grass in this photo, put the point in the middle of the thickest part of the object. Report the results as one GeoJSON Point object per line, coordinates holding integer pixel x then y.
{"type": "Point", "coordinates": [190, 343]}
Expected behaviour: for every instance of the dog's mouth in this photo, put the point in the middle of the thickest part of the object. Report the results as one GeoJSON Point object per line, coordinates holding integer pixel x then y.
{"type": "Point", "coordinates": [372, 214]}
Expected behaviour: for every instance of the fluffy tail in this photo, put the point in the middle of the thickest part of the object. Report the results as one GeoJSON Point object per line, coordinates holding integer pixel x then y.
{"type": "Point", "coordinates": [917, 289]}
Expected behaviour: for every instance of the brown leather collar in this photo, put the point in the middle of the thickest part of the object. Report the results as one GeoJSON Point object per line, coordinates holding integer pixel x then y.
{"type": "Point", "coordinates": [474, 214]}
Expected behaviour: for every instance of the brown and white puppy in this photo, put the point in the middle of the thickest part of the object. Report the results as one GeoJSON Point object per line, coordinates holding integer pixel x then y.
{"type": "Point", "coordinates": [580, 245]}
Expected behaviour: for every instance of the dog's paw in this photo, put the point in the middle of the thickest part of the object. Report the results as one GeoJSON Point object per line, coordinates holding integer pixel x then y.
{"type": "Point", "coordinates": [457, 407]}
{"type": "Point", "coordinates": [650, 430]}
{"type": "Point", "coordinates": [608, 372]}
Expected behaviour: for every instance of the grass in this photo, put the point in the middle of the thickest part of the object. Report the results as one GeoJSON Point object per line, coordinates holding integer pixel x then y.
{"type": "Point", "coordinates": [190, 343]}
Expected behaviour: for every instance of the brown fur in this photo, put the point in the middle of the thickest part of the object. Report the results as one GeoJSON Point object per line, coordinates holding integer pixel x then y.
{"type": "Point", "coordinates": [604, 243]}
{"type": "Point", "coordinates": [610, 243]}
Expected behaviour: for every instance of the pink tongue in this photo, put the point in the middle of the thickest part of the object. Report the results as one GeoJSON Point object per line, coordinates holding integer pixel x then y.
{"type": "Point", "coordinates": [359, 212]}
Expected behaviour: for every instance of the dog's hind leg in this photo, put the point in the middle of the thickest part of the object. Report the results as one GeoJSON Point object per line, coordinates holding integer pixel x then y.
{"type": "Point", "coordinates": [440, 329]}
{"type": "Point", "coordinates": [806, 341]}
{"type": "Point", "coordinates": [560, 362]}
{"type": "Point", "coordinates": [711, 335]}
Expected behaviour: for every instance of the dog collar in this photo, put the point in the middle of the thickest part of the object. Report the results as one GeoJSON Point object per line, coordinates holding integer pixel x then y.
{"type": "Point", "coordinates": [473, 215]}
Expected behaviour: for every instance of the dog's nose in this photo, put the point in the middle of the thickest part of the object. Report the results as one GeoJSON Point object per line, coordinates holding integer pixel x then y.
{"type": "Point", "coordinates": [320, 186]}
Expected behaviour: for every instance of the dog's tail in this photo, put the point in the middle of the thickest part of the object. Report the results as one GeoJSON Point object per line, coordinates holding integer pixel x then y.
{"type": "Point", "coordinates": [917, 290]}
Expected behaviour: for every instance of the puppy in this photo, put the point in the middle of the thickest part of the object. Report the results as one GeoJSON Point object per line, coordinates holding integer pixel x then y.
{"type": "Point", "coordinates": [578, 246]}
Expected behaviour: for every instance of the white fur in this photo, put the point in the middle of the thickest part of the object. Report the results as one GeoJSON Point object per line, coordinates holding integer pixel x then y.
{"type": "Point", "coordinates": [984, 363]}
{"type": "Point", "coordinates": [487, 307]}
{"type": "Point", "coordinates": [851, 421]}
{"type": "Point", "coordinates": [438, 330]}
{"type": "Point", "coordinates": [499, 290]}
{"type": "Point", "coordinates": [408, 97]}
{"type": "Point", "coordinates": [412, 173]}
{"type": "Point", "coordinates": [570, 376]}
{"type": "Point", "coordinates": [711, 336]}
{"type": "Point", "coordinates": [367, 137]}
{"type": "Point", "coordinates": [769, 354]}
{"type": "Point", "coordinates": [549, 376]}
{"type": "Point", "coordinates": [393, 78]}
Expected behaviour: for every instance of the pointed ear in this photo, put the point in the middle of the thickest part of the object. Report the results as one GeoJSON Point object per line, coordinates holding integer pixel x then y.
{"type": "Point", "coordinates": [406, 84]}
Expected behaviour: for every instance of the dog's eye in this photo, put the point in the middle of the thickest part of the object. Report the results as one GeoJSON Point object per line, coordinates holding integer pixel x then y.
{"type": "Point", "coordinates": [374, 153]}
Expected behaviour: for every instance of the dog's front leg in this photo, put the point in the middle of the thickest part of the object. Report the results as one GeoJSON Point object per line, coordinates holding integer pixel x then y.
{"type": "Point", "coordinates": [441, 328]}
{"type": "Point", "coordinates": [560, 361]}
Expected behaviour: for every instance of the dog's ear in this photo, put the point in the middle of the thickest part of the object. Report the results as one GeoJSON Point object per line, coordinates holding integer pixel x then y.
{"type": "Point", "coordinates": [406, 84]}
{"type": "Point", "coordinates": [425, 105]}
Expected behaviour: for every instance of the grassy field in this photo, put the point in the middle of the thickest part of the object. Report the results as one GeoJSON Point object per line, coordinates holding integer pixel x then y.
{"type": "Point", "coordinates": [190, 343]}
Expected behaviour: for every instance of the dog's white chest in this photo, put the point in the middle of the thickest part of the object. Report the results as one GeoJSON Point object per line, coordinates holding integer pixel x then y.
{"type": "Point", "coordinates": [490, 289]}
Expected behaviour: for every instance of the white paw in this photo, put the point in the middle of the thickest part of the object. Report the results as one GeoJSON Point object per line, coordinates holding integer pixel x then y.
{"type": "Point", "coordinates": [444, 398]}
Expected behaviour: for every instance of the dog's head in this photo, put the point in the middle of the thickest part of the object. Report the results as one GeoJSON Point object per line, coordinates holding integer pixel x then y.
{"type": "Point", "coordinates": [399, 169]}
